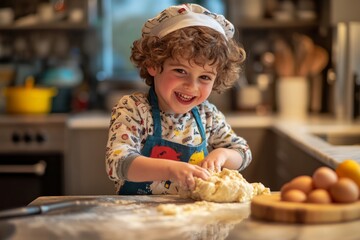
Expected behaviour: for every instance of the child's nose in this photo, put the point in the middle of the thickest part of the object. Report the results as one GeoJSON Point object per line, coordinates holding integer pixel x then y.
{"type": "Point", "coordinates": [190, 83]}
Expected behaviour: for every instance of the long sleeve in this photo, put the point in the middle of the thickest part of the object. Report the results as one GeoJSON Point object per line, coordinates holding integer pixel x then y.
{"type": "Point", "coordinates": [221, 135]}
{"type": "Point", "coordinates": [126, 132]}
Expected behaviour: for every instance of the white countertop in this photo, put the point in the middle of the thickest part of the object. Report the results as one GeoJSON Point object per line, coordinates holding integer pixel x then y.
{"type": "Point", "coordinates": [89, 120]}
{"type": "Point", "coordinates": [302, 134]}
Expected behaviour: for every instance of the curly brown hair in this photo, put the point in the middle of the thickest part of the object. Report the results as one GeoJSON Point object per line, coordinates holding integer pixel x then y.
{"type": "Point", "coordinates": [200, 44]}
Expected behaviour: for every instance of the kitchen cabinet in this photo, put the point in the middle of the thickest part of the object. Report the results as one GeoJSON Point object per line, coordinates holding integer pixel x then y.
{"type": "Point", "coordinates": [85, 163]}
{"type": "Point", "coordinates": [291, 161]}
{"type": "Point", "coordinates": [263, 166]}
{"type": "Point", "coordinates": [276, 159]}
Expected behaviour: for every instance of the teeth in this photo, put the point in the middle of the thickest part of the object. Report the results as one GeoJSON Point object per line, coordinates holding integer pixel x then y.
{"type": "Point", "coordinates": [184, 97]}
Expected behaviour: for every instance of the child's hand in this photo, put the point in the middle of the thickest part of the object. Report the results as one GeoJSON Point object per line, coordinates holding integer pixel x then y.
{"type": "Point", "coordinates": [184, 173]}
{"type": "Point", "coordinates": [222, 158]}
{"type": "Point", "coordinates": [214, 161]}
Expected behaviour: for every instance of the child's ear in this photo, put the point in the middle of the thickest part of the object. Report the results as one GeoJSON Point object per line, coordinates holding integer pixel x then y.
{"type": "Point", "coordinates": [152, 71]}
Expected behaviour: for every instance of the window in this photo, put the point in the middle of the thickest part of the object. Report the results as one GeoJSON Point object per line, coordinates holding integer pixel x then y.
{"type": "Point", "coordinates": [122, 22]}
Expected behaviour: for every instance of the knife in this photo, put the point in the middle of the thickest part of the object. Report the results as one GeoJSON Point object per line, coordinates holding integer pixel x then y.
{"type": "Point", "coordinates": [36, 209]}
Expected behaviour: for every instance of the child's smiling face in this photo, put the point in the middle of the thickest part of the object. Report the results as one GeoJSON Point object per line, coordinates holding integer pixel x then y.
{"type": "Point", "coordinates": [181, 85]}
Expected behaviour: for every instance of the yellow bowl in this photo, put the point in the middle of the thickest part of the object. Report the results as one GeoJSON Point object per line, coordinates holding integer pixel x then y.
{"type": "Point", "coordinates": [24, 100]}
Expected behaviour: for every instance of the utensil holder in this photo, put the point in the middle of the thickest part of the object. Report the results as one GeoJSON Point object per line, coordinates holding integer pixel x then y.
{"type": "Point", "coordinates": [292, 97]}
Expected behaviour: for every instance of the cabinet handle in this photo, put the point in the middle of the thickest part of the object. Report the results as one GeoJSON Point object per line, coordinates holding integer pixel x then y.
{"type": "Point", "coordinates": [37, 168]}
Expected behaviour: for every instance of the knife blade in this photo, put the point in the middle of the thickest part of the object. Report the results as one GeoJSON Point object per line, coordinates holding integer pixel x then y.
{"type": "Point", "coordinates": [36, 209]}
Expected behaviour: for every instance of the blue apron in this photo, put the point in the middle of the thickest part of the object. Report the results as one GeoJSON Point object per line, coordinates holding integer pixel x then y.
{"type": "Point", "coordinates": [156, 147]}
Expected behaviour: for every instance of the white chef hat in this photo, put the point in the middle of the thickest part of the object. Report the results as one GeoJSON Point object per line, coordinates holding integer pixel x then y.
{"type": "Point", "coordinates": [186, 15]}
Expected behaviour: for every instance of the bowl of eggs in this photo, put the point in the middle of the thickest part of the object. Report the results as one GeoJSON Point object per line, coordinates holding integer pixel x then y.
{"type": "Point", "coordinates": [325, 186]}
{"type": "Point", "coordinates": [327, 196]}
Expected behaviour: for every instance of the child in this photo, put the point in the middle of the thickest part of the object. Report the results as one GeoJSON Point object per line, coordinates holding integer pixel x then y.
{"type": "Point", "coordinates": [158, 142]}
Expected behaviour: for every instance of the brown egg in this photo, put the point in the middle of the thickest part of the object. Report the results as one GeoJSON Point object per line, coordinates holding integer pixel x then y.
{"type": "Point", "coordinates": [285, 187]}
{"type": "Point", "coordinates": [344, 190]}
{"type": "Point", "coordinates": [321, 196]}
{"type": "Point", "coordinates": [293, 195]}
{"type": "Point", "coordinates": [324, 177]}
{"type": "Point", "coordinates": [303, 183]}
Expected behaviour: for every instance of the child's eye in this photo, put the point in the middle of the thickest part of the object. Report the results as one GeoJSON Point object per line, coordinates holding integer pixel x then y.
{"type": "Point", "coordinates": [179, 70]}
{"type": "Point", "coordinates": [206, 78]}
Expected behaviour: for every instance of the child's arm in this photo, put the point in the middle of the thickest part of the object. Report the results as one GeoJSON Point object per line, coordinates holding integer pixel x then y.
{"type": "Point", "coordinates": [150, 169]}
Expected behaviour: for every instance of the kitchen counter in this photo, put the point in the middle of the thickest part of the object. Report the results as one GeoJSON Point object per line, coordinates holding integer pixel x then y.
{"type": "Point", "coordinates": [137, 217]}
{"type": "Point", "coordinates": [298, 131]}
{"type": "Point", "coordinates": [303, 134]}
{"type": "Point", "coordinates": [58, 118]}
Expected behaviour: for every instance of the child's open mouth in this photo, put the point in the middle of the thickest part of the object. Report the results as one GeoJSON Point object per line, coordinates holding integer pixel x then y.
{"type": "Point", "coordinates": [183, 98]}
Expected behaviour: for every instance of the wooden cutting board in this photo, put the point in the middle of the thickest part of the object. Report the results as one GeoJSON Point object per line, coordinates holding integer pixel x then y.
{"type": "Point", "coordinates": [269, 207]}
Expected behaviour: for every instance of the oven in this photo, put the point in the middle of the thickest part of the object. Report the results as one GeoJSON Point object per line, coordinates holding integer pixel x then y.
{"type": "Point", "coordinates": [32, 150]}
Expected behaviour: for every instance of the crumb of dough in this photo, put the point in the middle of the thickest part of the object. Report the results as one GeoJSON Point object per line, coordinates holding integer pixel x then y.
{"type": "Point", "coordinates": [174, 209]}
{"type": "Point", "coordinates": [224, 187]}
{"type": "Point", "coordinates": [168, 209]}
{"type": "Point", "coordinates": [260, 189]}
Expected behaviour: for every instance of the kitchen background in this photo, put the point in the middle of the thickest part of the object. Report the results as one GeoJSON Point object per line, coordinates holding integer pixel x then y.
{"type": "Point", "coordinates": [81, 48]}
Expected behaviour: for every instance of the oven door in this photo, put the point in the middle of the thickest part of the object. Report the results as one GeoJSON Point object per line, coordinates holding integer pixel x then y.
{"type": "Point", "coordinates": [24, 177]}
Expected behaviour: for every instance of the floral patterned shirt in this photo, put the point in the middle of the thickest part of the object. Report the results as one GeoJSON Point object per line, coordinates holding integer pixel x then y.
{"type": "Point", "coordinates": [132, 122]}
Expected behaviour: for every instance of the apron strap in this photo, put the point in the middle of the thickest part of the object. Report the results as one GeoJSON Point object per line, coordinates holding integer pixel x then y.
{"type": "Point", "coordinates": [196, 114]}
{"type": "Point", "coordinates": [155, 111]}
